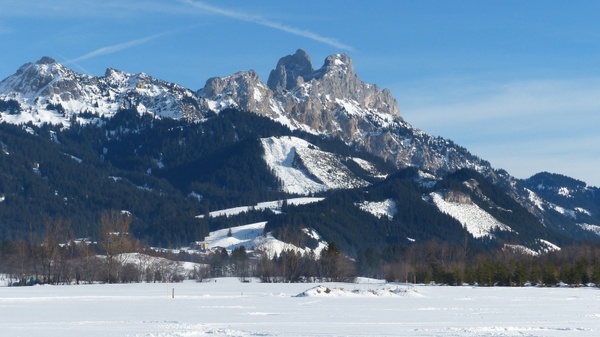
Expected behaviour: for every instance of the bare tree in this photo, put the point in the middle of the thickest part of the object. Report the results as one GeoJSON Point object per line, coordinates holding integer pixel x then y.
{"type": "Point", "coordinates": [265, 268]}
{"type": "Point", "coordinates": [54, 249]}
{"type": "Point", "coordinates": [21, 260]}
{"type": "Point", "coordinates": [114, 226]}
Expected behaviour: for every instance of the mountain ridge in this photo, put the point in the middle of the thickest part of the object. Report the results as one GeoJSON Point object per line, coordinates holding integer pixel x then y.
{"type": "Point", "coordinates": [333, 102]}
{"type": "Point", "coordinates": [327, 105]}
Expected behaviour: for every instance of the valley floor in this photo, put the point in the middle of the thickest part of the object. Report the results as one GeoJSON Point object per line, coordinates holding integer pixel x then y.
{"type": "Point", "coordinates": [227, 307]}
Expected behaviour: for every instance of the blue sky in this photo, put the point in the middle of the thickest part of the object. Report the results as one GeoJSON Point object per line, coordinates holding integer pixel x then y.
{"type": "Point", "coordinates": [515, 82]}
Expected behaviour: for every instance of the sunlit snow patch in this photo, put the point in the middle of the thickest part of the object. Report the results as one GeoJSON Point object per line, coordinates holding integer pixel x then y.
{"type": "Point", "coordinates": [354, 110]}
{"type": "Point", "coordinates": [520, 249]}
{"type": "Point", "coordinates": [253, 238]}
{"type": "Point", "coordinates": [304, 169]}
{"type": "Point", "coordinates": [369, 167]}
{"type": "Point", "coordinates": [592, 228]}
{"type": "Point", "coordinates": [474, 219]}
{"type": "Point", "coordinates": [274, 206]}
{"type": "Point", "coordinates": [535, 199]}
{"type": "Point", "coordinates": [547, 246]}
{"type": "Point", "coordinates": [387, 208]}
{"type": "Point", "coordinates": [565, 192]}
{"type": "Point", "coordinates": [566, 212]}
{"type": "Point", "coordinates": [426, 180]}
{"type": "Point", "coordinates": [231, 238]}
{"type": "Point", "coordinates": [582, 211]}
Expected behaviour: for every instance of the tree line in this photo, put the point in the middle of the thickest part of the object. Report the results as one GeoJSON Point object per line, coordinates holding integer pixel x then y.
{"type": "Point", "coordinates": [59, 258]}
{"type": "Point", "coordinates": [432, 262]}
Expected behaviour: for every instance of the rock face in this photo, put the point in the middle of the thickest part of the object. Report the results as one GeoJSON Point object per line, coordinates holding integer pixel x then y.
{"type": "Point", "coordinates": [242, 90]}
{"type": "Point", "coordinates": [333, 101]}
{"type": "Point", "coordinates": [456, 197]}
{"type": "Point", "coordinates": [290, 72]}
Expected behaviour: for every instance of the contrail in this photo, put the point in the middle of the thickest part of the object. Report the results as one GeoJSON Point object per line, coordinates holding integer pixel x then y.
{"type": "Point", "coordinates": [268, 23]}
{"type": "Point", "coordinates": [116, 48]}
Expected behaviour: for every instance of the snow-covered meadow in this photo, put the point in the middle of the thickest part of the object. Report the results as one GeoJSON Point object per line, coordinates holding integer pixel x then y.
{"type": "Point", "coordinates": [227, 307]}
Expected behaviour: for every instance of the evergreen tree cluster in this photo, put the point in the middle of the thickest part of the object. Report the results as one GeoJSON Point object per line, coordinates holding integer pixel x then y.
{"type": "Point", "coordinates": [440, 263]}
{"type": "Point", "coordinates": [338, 217]}
{"type": "Point", "coordinates": [10, 106]}
{"type": "Point", "coordinates": [137, 163]}
{"type": "Point", "coordinates": [167, 173]}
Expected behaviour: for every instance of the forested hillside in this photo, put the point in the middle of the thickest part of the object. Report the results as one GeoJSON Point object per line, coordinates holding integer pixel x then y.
{"type": "Point", "coordinates": [165, 172]}
{"type": "Point", "coordinates": [169, 174]}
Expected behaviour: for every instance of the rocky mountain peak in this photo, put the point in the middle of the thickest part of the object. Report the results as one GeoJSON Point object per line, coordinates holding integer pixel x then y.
{"type": "Point", "coordinates": [47, 65]}
{"type": "Point", "coordinates": [336, 64]}
{"type": "Point", "coordinates": [110, 72]}
{"type": "Point", "coordinates": [243, 89]}
{"type": "Point", "coordinates": [116, 77]}
{"type": "Point", "coordinates": [46, 60]}
{"type": "Point", "coordinates": [35, 77]}
{"type": "Point", "coordinates": [290, 70]}
{"type": "Point", "coordinates": [331, 100]}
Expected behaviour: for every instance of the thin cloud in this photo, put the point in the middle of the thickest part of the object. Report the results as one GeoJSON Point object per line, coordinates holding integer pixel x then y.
{"type": "Point", "coordinates": [523, 126]}
{"type": "Point", "coordinates": [268, 23]}
{"type": "Point", "coordinates": [497, 102]}
{"type": "Point", "coordinates": [85, 8]}
{"type": "Point", "coordinates": [116, 48]}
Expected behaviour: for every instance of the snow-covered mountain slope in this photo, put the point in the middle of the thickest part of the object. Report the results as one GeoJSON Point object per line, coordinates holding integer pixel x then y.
{"type": "Point", "coordinates": [475, 220]}
{"type": "Point", "coordinates": [48, 92]}
{"type": "Point", "coordinates": [562, 194]}
{"type": "Point", "coordinates": [576, 204]}
{"type": "Point", "coordinates": [304, 169]}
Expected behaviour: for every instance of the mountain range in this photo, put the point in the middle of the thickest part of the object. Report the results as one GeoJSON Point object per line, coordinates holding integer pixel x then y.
{"type": "Point", "coordinates": [74, 145]}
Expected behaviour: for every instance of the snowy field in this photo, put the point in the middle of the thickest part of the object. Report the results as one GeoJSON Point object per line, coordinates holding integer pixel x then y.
{"type": "Point", "coordinates": [230, 308]}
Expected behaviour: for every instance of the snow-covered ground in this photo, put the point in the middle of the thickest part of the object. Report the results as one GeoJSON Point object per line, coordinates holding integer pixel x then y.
{"type": "Point", "coordinates": [275, 206]}
{"type": "Point", "coordinates": [387, 208]}
{"type": "Point", "coordinates": [251, 237]}
{"type": "Point", "coordinates": [476, 221]}
{"type": "Point", "coordinates": [226, 307]}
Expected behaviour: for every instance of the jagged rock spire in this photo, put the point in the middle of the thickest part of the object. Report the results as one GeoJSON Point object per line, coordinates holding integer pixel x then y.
{"type": "Point", "coordinates": [290, 70]}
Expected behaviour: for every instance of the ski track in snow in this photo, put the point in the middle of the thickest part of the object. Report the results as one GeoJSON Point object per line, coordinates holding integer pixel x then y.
{"type": "Point", "coordinates": [227, 307]}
